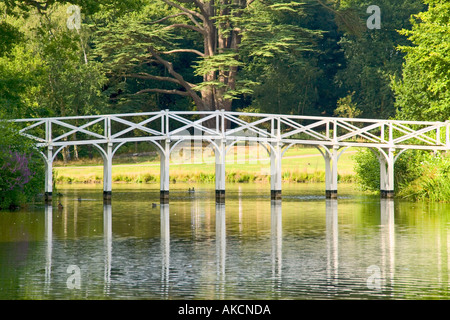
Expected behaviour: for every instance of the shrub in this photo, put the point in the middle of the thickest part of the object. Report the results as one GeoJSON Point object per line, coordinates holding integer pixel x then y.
{"type": "Point", "coordinates": [433, 181]}
{"type": "Point", "coordinates": [418, 175]}
{"type": "Point", "coordinates": [22, 169]}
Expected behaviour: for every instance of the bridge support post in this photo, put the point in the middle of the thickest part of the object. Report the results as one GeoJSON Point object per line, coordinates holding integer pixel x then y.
{"type": "Point", "coordinates": [220, 171]}
{"type": "Point", "coordinates": [49, 175]}
{"type": "Point", "coordinates": [164, 172]}
{"type": "Point", "coordinates": [107, 174]}
{"type": "Point", "coordinates": [275, 171]}
{"type": "Point", "coordinates": [331, 173]}
{"type": "Point", "coordinates": [387, 174]}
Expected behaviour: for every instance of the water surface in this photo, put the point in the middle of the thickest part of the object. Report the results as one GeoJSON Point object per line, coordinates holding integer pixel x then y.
{"type": "Point", "coordinates": [303, 247]}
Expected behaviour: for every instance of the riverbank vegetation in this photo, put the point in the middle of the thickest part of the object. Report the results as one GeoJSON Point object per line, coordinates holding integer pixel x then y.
{"type": "Point", "coordinates": [315, 57]}
{"type": "Point", "coordinates": [21, 167]}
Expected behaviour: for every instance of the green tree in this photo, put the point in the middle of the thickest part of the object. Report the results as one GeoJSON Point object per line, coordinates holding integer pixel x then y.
{"type": "Point", "coordinates": [21, 72]}
{"type": "Point", "coordinates": [89, 6]}
{"type": "Point", "coordinates": [346, 108]}
{"type": "Point", "coordinates": [212, 39]}
{"type": "Point", "coordinates": [372, 57]}
{"type": "Point", "coordinates": [297, 82]}
{"type": "Point", "coordinates": [20, 67]}
{"type": "Point", "coordinates": [423, 90]}
{"type": "Point", "coordinates": [74, 82]}
{"type": "Point", "coordinates": [49, 72]}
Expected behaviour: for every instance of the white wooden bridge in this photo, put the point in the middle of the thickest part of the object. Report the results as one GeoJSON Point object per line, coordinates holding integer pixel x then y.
{"type": "Point", "coordinates": [388, 139]}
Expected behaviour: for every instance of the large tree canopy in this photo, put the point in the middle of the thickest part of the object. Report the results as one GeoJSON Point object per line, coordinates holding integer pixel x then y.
{"type": "Point", "coordinates": [203, 50]}
{"type": "Point", "coordinates": [276, 56]}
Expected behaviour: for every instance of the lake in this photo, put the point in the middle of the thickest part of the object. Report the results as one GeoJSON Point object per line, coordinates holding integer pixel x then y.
{"type": "Point", "coordinates": [303, 247]}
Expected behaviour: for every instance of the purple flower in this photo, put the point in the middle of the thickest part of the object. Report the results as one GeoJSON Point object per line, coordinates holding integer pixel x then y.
{"type": "Point", "coordinates": [15, 170]}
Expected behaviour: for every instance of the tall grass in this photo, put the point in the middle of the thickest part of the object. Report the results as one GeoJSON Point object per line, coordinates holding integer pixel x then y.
{"type": "Point", "coordinates": [432, 183]}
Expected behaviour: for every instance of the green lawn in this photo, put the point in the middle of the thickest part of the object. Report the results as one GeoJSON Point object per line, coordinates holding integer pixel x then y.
{"type": "Point", "coordinates": [242, 165]}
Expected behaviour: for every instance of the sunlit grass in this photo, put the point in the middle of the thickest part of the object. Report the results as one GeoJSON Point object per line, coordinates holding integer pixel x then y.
{"type": "Point", "coordinates": [242, 165]}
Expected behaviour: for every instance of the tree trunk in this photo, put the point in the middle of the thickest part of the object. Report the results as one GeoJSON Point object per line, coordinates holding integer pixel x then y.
{"type": "Point", "coordinates": [217, 39]}
{"type": "Point", "coordinates": [216, 42]}
{"type": "Point", "coordinates": [75, 147]}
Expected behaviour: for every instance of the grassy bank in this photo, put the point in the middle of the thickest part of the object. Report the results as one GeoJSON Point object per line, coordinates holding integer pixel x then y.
{"type": "Point", "coordinates": [242, 165]}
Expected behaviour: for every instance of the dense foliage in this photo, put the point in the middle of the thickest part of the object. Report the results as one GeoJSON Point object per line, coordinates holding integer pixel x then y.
{"type": "Point", "coordinates": [423, 91]}
{"type": "Point", "coordinates": [276, 56]}
{"type": "Point", "coordinates": [21, 167]}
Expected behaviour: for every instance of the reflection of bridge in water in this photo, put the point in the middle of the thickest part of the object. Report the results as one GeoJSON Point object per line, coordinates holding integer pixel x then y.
{"type": "Point", "coordinates": [167, 261]}
{"type": "Point", "coordinates": [167, 130]}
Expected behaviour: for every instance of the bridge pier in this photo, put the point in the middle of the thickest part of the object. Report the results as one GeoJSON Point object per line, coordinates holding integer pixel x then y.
{"type": "Point", "coordinates": [107, 196]}
{"type": "Point", "coordinates": [275, 171]}
{"type": "Point", "coordinates": [387, 174]}
{"type": "Point", "coordinates": [387, 194]}
{"type": "Point", "coordinates": [48, 195]}
{"type": "Point", "coordinates": [331, 175]}
{"type": "Point", "coordinates": [220, 155]}
{"type": "Point", "coordinates": [164, 172]}
{"type": "Point", "coordinates": [107, 173]}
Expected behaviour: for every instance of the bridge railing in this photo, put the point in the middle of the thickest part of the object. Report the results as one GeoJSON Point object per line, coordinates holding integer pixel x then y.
{"type": "Point", "coordinates": [287, 129]}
